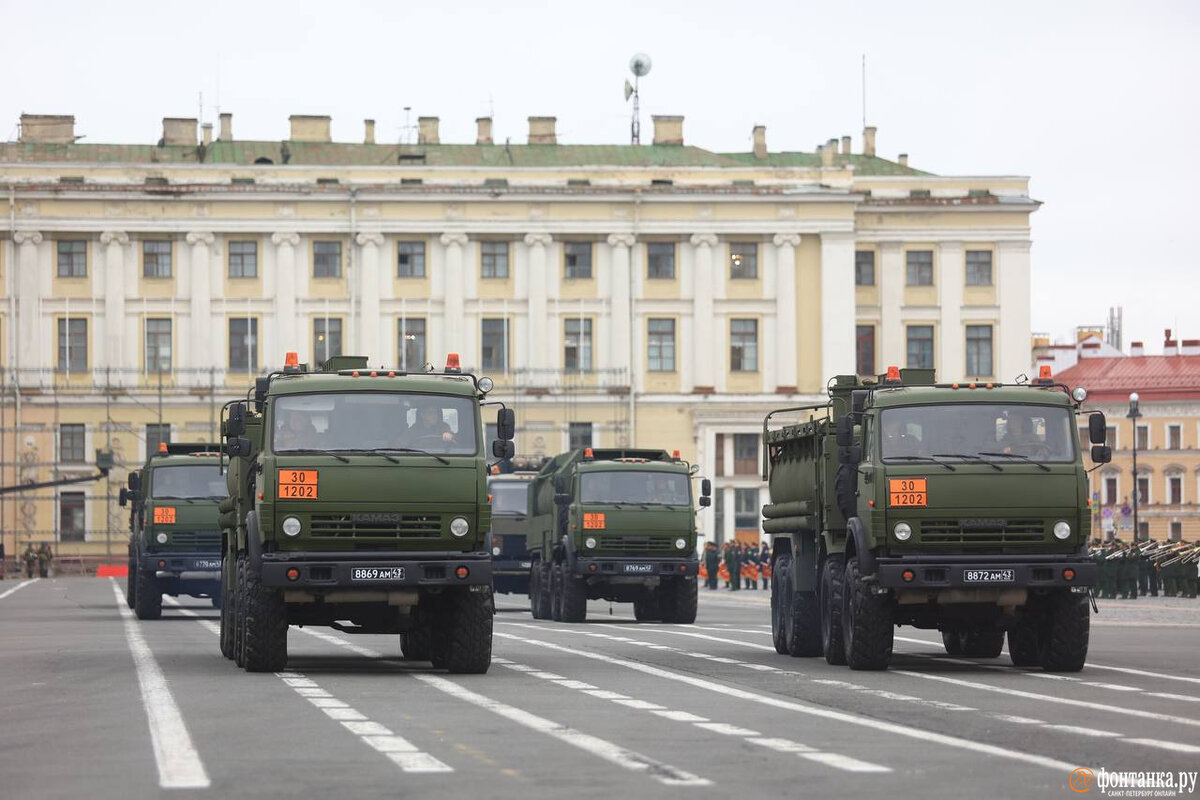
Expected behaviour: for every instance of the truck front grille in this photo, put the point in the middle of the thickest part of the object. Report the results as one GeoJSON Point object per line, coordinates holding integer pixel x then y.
{"type": "Point", "coordinates": [984, 532]}
{"type": "Point", "coordinates": [398, 526]}
{"type": "Point", "coordinates": [637, 545]}
{"type": "Point", "coordinates": [199, 540]}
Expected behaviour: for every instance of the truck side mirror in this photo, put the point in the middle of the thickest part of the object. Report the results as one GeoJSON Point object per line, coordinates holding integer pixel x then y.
{"type": "Point", "coordinates": [237, 447]}
{"type": "Point", "coordinates": [236, 424]}
{"type": "Point", "coordinates": [562, 499]}
{"type": "Point", "coordinates": [123, 497]}
{"type": "Point", "coordinates": [851, 454]}
{"type": "Point", "coordinates": [1101, 453]}
{"type": "Point", "coordinates": [858, 400]}
{"type": "Point", "coordinates": [1097, 428]}
{"type": "Point", "coordinates": [845, 431]}
{"type": "Point", "coordinates": [506, 424]}
{"type": "Point", "coordinates": [104, 461]}
{"type": "Point", "coordinates": [705, 501]}
{"type": "Point", "coordinates": [135, 481]}
{"type": "Point", "coordinates": [706, 488]}
{"type": "Point", "coordinates": [560, 485]}
{"type": "Point", "coordinates": [261, 387]}
{"type": "Point", "coordinates": [503, 449]}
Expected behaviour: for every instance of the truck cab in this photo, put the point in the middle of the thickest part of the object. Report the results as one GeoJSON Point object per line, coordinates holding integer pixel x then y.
{"type": "Point", "coordinates": [511, 559]}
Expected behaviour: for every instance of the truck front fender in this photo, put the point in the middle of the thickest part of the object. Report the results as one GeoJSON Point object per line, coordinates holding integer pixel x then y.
{"type": "Point", "coordinates": [857, 531]}
{"type": "Point", "coordinates": [253, 541]}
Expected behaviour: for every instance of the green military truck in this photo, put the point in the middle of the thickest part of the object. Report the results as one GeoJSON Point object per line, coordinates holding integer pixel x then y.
{"type": "Point", "coordinates": [510, 511]}
{"type": "Point", "coordinates": [174, 536]}
{"type": "Point", "coordinates": [358, 501]}
{"type": "Point", "coordinates": [616, 525]}
{"type": "Point", "coordinates": [956, 507]}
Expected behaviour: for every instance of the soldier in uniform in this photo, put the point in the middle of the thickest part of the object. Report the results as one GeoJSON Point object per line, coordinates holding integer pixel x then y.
{"type": "Point", "coordinates": [44, 556]}
{"type": "Point", "coordinates": [1128, 575]}
{"type": "Point", "coordinates": [1108, 570]}
{"type": "Point", "coordinates": [712, 562]}
{"type": "Point", "coordinates": [30, 557]}
{"type": "Point", "coordinates": [1145, 570]}
{"type": "Point", "coordinates": [733, 564]}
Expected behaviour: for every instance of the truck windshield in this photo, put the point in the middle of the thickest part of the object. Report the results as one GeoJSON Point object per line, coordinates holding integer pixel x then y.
{"type": "Point", "coordinates": [510, 497]}
{"type": "Point", "coordinates": [978, 430]}
{"type": "Point", "coordinates": [187, 481]}
{"type": "Point", "coordinates": [613, 488]}
{"type": "Point", "coordinates": [374, 421]}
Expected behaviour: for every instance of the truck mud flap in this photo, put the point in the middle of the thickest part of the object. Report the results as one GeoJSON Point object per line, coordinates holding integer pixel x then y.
{"type": "Point", "coordinates": [862, 549]}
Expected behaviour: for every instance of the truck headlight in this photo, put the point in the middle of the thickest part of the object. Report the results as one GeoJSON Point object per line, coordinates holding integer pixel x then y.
{"type": "Point", "coordinates": [680, 544]}
{"type": "Point", "coordinates": [903, 531]}
{"type": "Point", "coordinates": [459, 526]}
{"type": "Point", "coordinates": [161, 538]}
{"type": "Point", "coordinates": [590, 543]}
{"type": "Point", "coordinates": [291, 526]}
{"type": "Point", "coordinates": [496, 551]}
{"type": "Point", "coordinates": [485, 385]}
{"type": "Point", "coordinates": [1079, 394]}
{"type": "Point", "coordinates": [1062, 530]}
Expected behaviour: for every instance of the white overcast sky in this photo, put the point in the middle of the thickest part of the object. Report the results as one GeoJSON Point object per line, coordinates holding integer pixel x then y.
{"type": "Point", "coordinates": [1095, 101]}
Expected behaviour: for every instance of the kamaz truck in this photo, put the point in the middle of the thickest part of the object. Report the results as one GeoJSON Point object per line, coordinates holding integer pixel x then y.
{"type": "Point", "coordinates": [358, 501]}
{"type": "Point", "coordinates": [960, 507]}
{"type": "Point", "coordinates": [617, 525]}
{"type": "Point", "coordinates": [174, 535]}
{"type": "Point", "coordinates": [510, 511]}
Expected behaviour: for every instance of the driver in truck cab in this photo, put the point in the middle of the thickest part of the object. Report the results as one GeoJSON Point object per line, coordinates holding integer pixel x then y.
{"type": "Point", "coordinates": [429, 423]}
{"type": "Point", "coordinates": [1019, 436]}
{"type": "Point", "coordinates": [296, 432]}
{"type": "Point", "coordinates": [897, 440]}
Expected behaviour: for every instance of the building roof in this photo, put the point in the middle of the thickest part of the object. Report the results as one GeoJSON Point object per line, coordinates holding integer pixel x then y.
{"type": "Point", "coordinates": [1154, 378]}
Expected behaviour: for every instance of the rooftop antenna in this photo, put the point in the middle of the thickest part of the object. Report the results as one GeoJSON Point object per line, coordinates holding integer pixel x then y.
{"type": "Point", "coordinates": [406, 131]}
{"type": "Point", "coordinates": [639, 65]}
{"type": "Point", "coordinates": [864, 89]}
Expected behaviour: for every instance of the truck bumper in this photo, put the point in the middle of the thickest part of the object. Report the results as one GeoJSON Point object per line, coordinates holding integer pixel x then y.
{"type": "Point", "coordinates": [634, 567]}
{"type": "Point", "coordinates": [387, 570]}
{"type": "Point", "coordinates": [518, 567]}
{"type": "Point", "coordinates": [179, 563]}
{"type": "Point", "coordinates": [995, 572]}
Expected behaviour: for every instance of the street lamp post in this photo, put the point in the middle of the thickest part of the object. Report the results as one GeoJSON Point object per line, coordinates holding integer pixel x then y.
{"type": "Point", "coordinates": [1134, 415]}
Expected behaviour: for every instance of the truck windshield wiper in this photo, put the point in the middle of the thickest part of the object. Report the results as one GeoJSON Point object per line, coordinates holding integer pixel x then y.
{"type": "Point", "coordinates": [980, 459]}
{"type": "Point", "coordinates": [174, 497]}
{"type": "Point", "coordinates": [308, 451]}
{"type": "Point", "coordinates": [1027, 459]}
{"type": "Point", "coordinates": [384, 451]}
{"type": "Point", "coordinates": [921, 458]}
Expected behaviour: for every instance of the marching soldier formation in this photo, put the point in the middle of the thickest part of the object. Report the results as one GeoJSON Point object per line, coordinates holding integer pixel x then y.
{"type": "Point", "coordinates": [1128, 570]}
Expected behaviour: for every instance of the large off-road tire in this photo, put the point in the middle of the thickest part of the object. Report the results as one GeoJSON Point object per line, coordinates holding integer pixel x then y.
{"type": "Point", "coordinates": [801, 620]}
{"type": "Point", "coordinates": [265, 625]}
{"type": "Point", "coordinates": [982, 644]}
{"type": "Point", "coordinates": [574, 597]}
{"type": "Point", "coordinates": [952, 640]}
{"type": "Point", "coordinates": [867, 626]}
{"type": "Point", "coordinates": [556, 592]}
{"type": "Point", "coordinates": [545, 602]}
{"type": "Point", "coordinates": [469, 632]}
{"type": "Point", "coordinates": [535, 590]}
{"type": "Point", "coordinates": [679, 599]}
{"type": "Point", "coordinates": [131, 583]}
{"type": "Point", "coordinates": [147, 598]}
{"type": "Point", "coordinates": [227, 624]}
{"type": "Point", "coordinates": [237, 615]}
{"type": "Point", "coordinates": [415, 645]}
{"type": "Point", "coordinates": [830, 598]}
{"type": "Point", "coordinates": [1023, 647]}
{"type": "Point", "coordinates": [780, 576]}
{"type": "Point", "coordinates": [646, 609]}
{"type": "Point", "coordinates": [1067, 626]}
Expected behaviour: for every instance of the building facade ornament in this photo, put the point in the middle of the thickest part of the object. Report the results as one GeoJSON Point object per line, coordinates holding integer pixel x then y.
{"type": "Point", "coordinates": [781, 239]}
{"type": "Point", "coordinates": [114, 237]}
{"type": "Point", "coordinates": [369, 238]}
{"type": "Point", "coordinates": [538, 239]}
{"type": "Point", "coordinates": [27, 237]}
{"type": "Point", "coordinates": [621, 240]}
{"type": "Point", "coordinates": [200, 237]}
{"type": "Point", "coordinates": [704, 240]}
{"type": "Point", "coordinates": [448, 239]}
{"type": "Point", "coordinates": [285, 238]}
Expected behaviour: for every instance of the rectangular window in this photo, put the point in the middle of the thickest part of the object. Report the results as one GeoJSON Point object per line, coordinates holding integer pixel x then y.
{"type": "Point", "coordinates": [158, 344]}
{"type": "Point", "coordinates": [70, 444]}
{"type": "Point", "coordinates": [577, 352]}
{"type": "Point", "coordinates": [495, 344]}
{"type": "Point", "coordinates": [919, 267]}
{"type": "Point", "coordinates": [243, 259]}
{"type": "Point", "coordinates": [156, 259]}
{"type": "Point", "coordinates": [743, 345]}
{"type": "Point", "coordinates": [1110, 490]}
{"type": "Point", "coordinates": [746, 510]}
{"type": "Point", "coordinates": [71, 517]}
{"type": "Point", "coordinates": [493, 259]}
{"type": "Point", "coordinates": [745, 454]}
{"type": "Point", "coordinates": [1174, 437]}
{"type": "Point", "coordinates": [979, 268]}
{"type": "Point", "coordinates": [72, 345]}
{"type": "Point", "coordinates": [920, 346]}
{"type": "Point", "coordinates": [979, 351]}
{"type": "Point", "coordinates": [661, 345]}
{"type": "Point", "coordinates": [1143, 489]}
{"type": "Point", "coordinates": [743, 260]}
{"type": "Point", "coordinates": [327, 259]}
{"type": "Point", "coordinates": [410, 259]}
{"type": "Point", "coordinates": [660, 261]}
{"type": "Point", "coordinates": [864, 349]}
{"type": "Point", "coordinates": [1110, 436]}
{"type": "Point", "coordinates": [1143, 437]}
{"type": "Point", "coordinates": [864, 272]}
{"type": "Point", "coordinates": [1176, 531]}
{"type": "Point", "coordinates": [243, 344]}
{"type": "Point", "coordinates": [579, 435]}
{"type": "Point", "coordinates": [72, 258]}
{"type": "Point", "coordinates": [1175, 489]}
{"type": "Point", "coordinates": [719, 454]}
{"type": "Point", "coordinates": [412, 343]}
{"type": "Point", "coordinates": [578, 260]}
{"type": "Point", "coordinates": [327, 338]}
{"type": "Point", "coordinates": [157, 433]}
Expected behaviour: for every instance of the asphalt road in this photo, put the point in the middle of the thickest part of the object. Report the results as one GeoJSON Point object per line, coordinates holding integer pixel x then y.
{"type": "Point", "coordinates": [96, 704]}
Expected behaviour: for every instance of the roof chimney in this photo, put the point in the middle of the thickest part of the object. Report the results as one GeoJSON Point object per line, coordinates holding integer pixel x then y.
{"type": "Point", "coordinates": [306, 128]}
{"type": "Point", "coordinates": [48, 128]}
{"type": "Point", "coordinates": [427, 130]}
{"type": "Point", "coordinates": [541, 130]}
{"type": "Point", "coordinates": [206, 134]}
{"type": "Point", "coordinates": [1170, 346]}
{"type": "Point", "coordinates": [760, 141]}
{"type": "Point", "coordinates": [1089, 350]}
{"type": "Point", "coordinates": [483, 130]}
{"type": "Point", "coordinates": [368, 131]}
{"type": "Point", "coordinates": [179, 131]}
{"type": "Point", "coordinates": [902, 159]}
{"type": "Point", "coordinates": [1191, 347]}
{"type": "Point", "coordinates": [869, 141]}
{"type": "Point", "coordinates": [845, 145]}
{"type": "Point", "coordinates": [1137, 349]}
{"type": "Point", "coordinates": [667, 129]}
{"type": "Point", "coordinates": [225, 134]}
{"type": "Point", "coordinates": [828, 151]}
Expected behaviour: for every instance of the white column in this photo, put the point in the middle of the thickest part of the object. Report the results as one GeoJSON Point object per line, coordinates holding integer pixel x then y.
{"type": "Point", "coordinates": [370, 343]}
{"type": "Point", "coordinates": [952, 347]}
{"type": "Point", "coordinates": [837, 305]}
{"type": "Point", "coordinates": [29, 301]}
{"type": "Point", "coordinates": [703, 278]}
{"type": "Point", "coordinates": [453, 309]}
{"type": "Point", "coordinates": [201, 327]}
{"type": "Point", "coordinates": [114, 302]}
{"type": "Point", "coordinates": [541, 339]}
{"type": "Point", "coordinates": [620, 319]}
{"type": "Point", "coordinates": [785, 311]}
{"type": "Point", "coordinates": [892, 345]}
{"type": "Point", "coordinates": [1014, 329]}
{"type": "Point", "coordinates": [284, 297]}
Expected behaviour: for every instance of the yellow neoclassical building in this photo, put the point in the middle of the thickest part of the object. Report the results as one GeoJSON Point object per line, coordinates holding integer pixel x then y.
{"type": "Point", "coordinates": [660, 295]}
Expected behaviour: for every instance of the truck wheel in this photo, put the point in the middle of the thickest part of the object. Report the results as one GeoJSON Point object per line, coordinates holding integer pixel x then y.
{"type": "Point", "coordinates": [982, 644]}
{"type": "Point", "coordinates": [801, 620]}
{"type": "Point", "coordinates": [867, 627]}
{"type": "Point", "coordinates": [415, 645]}
{"type": "Point", "coordinates": [237, 614]}
{"type": "Point", "coordinates": [226, 608]}
{"type": "Point", "coordinates": [831, 609]}
{"type": "Point", "coordinates": [469, 634]}
{"type": "Point", "coordinates": [779, 579]}
{"type": "Point", "coordinates": [574, 597]}
{"type": "Point", "coordinates": [647, 608]}
{"type": "Point", "coordinates": [545, 599]}
{"type": "Point", "coordinates": [1067, 628]}
{"type": "Point", "coordinates": [265, 626]}
{"type": "Point", "coordinates": [147, 598]}
{"type": "Point", "coordinates": [678, 598]}
{"type": "Point", "coordinates": [1023, 647]}
{"type": "Point", "coordinates": [535, 591]}
{"type": "Point", "coordinates": [953, 642]}
{"type": "Point", "coordinates": [131, 583]}
{"type": "Point", "coordinates": [556, 592]}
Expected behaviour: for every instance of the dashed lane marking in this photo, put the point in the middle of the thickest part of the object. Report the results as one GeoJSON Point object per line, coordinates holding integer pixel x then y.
{"type": "Point", "coordinates": [179, 764]}
{"type": "Point", "coordinates": [18, 587]}
{"type": "Point", "coordinates": [1178, 747]}
{"type": "Point", "coordinates": [1145, 673]}
{"type": "Point", "coordinates": [701, 636]}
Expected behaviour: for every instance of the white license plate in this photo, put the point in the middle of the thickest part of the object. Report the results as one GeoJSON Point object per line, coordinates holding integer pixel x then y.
{"type": "Point", "coordinates": [526, 564]}
{"type": "Point", "coordinates": [988, 576]}
{"type": "Point", "coordinates": [639, 567]}
{"type": "Point", "coordinates": [208, 565]}
{"type": "Point", "coordinates": [377, 574]}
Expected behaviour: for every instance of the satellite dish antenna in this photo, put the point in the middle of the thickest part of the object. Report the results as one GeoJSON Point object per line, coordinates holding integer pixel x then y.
{"type": "Point", "coordinates": [639, 65]}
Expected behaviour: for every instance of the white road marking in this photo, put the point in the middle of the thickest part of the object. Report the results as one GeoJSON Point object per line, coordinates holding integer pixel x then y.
{"type": "Point", "coordinates": [699, 636]}
{"type": "Point", "coordinates": [682, 716]}
{"type": "Point", "coordinates": [179, 764]}
{"type": "Point", "coordinates": [22, 585]}
{"type": "Point", "coordinates": [1082, 731]}
{"type": "Point", "coordinates": [725, 729]}
{"type": "Point", "coordinates": [886, 695]}
{"type": "Point", "coordinates": [212, 627]}
{"type": "Point", "coordinates": [783, 745]}
{"type": "Point", "coordinates": [643, 705]}
{"type": "Point", "coordinates": [1115, 687]}
{"type": "Point", "coordinates": [605, 694]}
{"type": "Point", "coordinates": [1145, 673]}
{"type": "Point", "coordinates": [1178, 747]}
{"type": "Point", "coordinates": [1170, 696]}
{"type": "Point", "coordinates": [844, 762]}
{"type": "Point", "coordinates": [570, 684]}
{"type": "Point", "coordinates": [1018, 720]}
{"type": "Point", "coordinates": [549, 676]}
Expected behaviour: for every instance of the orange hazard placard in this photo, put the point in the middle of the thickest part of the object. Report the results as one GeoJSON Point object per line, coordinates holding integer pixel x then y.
{"type": "Point", "coordinates": [593, 522]}
{"type": "Point", "coordinates": [298, 484]}
{"type": "Point", "coordinates": [907, 492]}
{"type": "Point", "coordinates": [164, 515]}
